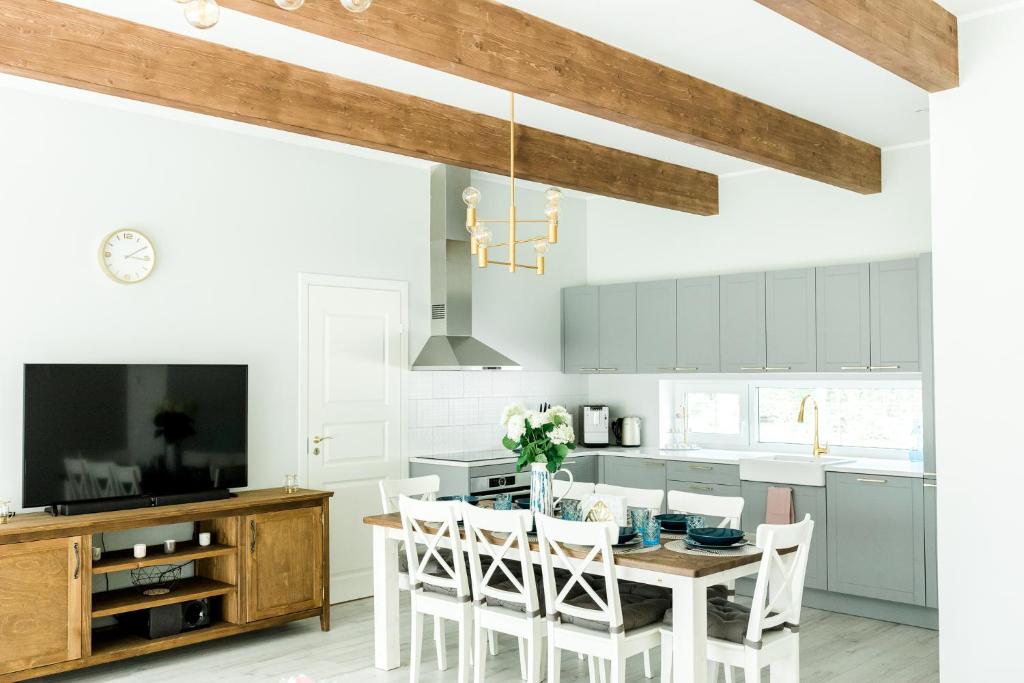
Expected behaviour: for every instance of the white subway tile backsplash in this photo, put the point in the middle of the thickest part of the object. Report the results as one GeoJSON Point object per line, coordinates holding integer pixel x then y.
{"type": "Point", "coordinates": [421, 441]}
{"type": "Point", "coordinates": [477, 383]}
{"type": "Point", "coordinates": [449, 440]}
{"type": "Point", "coordinates": [506, 383]}
{"type": "Point", "coordinates": [448, 384]}
{"type": "Point", "coordinates": [430, 413]}
{"type": "Point", "coordinates": [421, 385]}
{"type": "Point", "coordinates": [464, 411]}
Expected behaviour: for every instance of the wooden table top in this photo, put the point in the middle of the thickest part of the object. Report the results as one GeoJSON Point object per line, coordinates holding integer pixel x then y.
{"type": "Point", "coordinates": [660, 560]}
{"type": "Point", "coordinates": [40, 525]}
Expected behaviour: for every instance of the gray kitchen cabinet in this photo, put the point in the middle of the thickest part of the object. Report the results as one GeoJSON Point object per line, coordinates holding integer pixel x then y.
{"type": "Point", "coordinates": [703, 472]}
{"type": "Point", "coordinates": [656, 326]}
{"type": "Point", "coordinates": [790, 327]}
{"type": "Point", "coordinates": [583, 468]}
{"type": "Point", "coordinates": [931, 564]}
{"type": "Point", "coordinates": [580, 317]}
{"type": "Point", "coordinates": [741, 322]}
{"type": "Point", "coordinates": [876, 537]}
{"type": "Point", "coordinates": [808, 500]}
{"type": "Point", "coordinates": [639, 473]}
{"type": "Point", "coordinates": [704, 489]}
{"type": "Point", "coordinates": [617, 329]}
{"type": "Point", "coordinates": [697, 325]}
{"type": "Point", "coordinates": [927, 366]}
{"type": "Point", "coordinates": [895, 316]}
{"type": "Point", "coordinates": [843, 318]}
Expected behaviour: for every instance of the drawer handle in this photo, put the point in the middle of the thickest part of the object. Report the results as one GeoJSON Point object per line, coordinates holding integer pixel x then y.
{"type": "Point", "coordinates": [757, 369]}
{"type": "Point", "coordinates": [252, 534]}
{"type": "Point", "coordinates": [931, 486]}
{"type": "Point", "coordinates": [588, 369]}
{"type": "Point", "coordinates": [702, 489]}
{"type": "Point", "coordinates": [78, 561]}
{"type": "Point", "coordinates": [778, 369]}
{"type": "Point", "coordinates": [872, 481]}
{"type": "Point", "coordinates": [853, 367]}
{"type": "Point", "coordinates": [607, 369]}
{"type": "Point", "coordinates": [885, 367]}
{"type": "Point", "coordinates": [706, 468]}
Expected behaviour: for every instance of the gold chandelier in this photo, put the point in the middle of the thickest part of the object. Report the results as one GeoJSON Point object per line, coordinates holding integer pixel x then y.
{"type": "Point", "coordinates": [206, 13]}
{"type": "Point", "coordinates": [480, 238]}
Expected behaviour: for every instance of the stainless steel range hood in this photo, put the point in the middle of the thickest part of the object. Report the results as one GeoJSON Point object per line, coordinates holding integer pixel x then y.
{"type": "Point", "coordinates": [452, 345]}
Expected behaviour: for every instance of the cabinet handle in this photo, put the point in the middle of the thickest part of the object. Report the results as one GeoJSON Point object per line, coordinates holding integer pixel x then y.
{"type": "Point", "coordinates": [701, 467]}
{"type": "Point", "coordinates": [885, 367]}
{"type": "Point", "coordinates": [702, 489]}
{"type": "Point", "coordinates": [607, 369]}
{"type": "Point", "coordinates": [757, 369]}
{"type": "Point", "coordinates": [931, 486]}
{"type": "Point", "coordinates": [78, 561]}
{"type": "Point", "coordinates": [252, 535]}
{"type": "Point", "coordinates": [679, 369]}
{"type": "Point", "coordinates": [588, 369]}
{"type": "Point", "coordinates": [930, 474]}
{"type": "Point", "coordinates": [778, 369]}
{"type": "Point", "coordinates": [853, 367]}
{"type": "Point", "coordinates": [872, 481]}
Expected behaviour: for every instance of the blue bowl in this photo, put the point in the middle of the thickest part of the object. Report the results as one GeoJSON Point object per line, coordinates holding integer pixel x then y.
{"type": "Point", "coordinates": [522, 503]}
{"type": "Point", "coordinates": [672, 522]}
{"type": "Point", "coordinates": [708, 536]}
{"type": "Point", "coordinates": [626, 534]}
{"type": "Point", "coordinates": [472, 500]}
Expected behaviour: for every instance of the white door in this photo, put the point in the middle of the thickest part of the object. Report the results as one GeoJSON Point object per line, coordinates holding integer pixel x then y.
{"type": "Point", "coordinates": [354, 347]}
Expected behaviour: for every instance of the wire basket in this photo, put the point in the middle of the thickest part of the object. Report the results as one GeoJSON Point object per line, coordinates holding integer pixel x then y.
{"type": "Point", "coordinates": [158, 580]}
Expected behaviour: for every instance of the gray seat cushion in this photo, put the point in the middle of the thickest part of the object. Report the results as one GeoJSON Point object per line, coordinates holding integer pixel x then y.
{"type": "Point", "coordinates": [726, 620]}
{"type": "Point", "coordinates": [432, 567]}
{"type": "Point", "coordinates": [642, 605]}
{"type": "Point", "coordinates": [561, 578]}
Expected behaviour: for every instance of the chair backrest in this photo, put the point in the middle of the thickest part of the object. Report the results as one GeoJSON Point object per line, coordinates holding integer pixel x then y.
{"type": "Point", "coordinates": [576, 491]}
{"type": "Point", "coordinates": [730, 509]}
{"type": "Point", "coordinates": [635, 498]}
{"type": "Point", "coordinates": [481, 524]}
{"type": "Point", "coordinates": [596, 540]}
{"type": "Point", "coordinates": [778, 593]}
{"type": "Point", "coordinates": [428, 522]}
{"type": "Point", "coordinates": [424, 488]}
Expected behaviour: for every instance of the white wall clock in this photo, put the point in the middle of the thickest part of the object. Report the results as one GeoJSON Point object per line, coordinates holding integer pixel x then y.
{"type": "Point", "coordinates": [127, 256]}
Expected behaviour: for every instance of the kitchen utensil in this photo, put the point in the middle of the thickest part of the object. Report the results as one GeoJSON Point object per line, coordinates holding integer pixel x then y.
{"type": "Point", "coordinates": [690, 543]}
{"type": "Point", "coordinates": [672, 522]}
{"type": "Point", "coordinates": [652, 533]}
{"type": "Point", "coordinates": [627, 431]}
{"type": "Point", "coordinates": [629, 543]}
{"type": "Point", "coordinates": [503, 501]}
{"type": "Point", "coordinates": [596, 426]}
{"type": "Point", "coordinates": [626, 533]}
{"type": "Point", "coordinates": [695, 522]}
{"type": "Point", "coordinates": [639, 517]}
{"type": "Point", "coordinates": [713, 536]}
{"type": "Point", "coordinates": [472, 500]}
{"type": "Point", "coordinates": [572, 510]}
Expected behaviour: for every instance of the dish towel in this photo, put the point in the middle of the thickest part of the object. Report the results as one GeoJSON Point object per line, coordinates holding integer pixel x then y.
{"type": "Point", "coordinates": [780, 508]}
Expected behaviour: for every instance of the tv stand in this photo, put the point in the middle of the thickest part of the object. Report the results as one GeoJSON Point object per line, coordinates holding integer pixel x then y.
{"type": "Point", "coordinates": [267, 565]}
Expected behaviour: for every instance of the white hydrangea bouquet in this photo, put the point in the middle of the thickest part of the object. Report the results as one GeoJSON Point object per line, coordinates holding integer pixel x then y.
{"type": "Point", "coordinates": [541, 437]}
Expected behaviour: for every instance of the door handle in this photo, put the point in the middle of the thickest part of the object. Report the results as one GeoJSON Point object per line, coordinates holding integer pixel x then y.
{"type": "Point", "coordinates": [78, 561]}
{"type": "Point", "coordinates": [252, 537]}
{"type": "Point", "coordinates": [317, 440]}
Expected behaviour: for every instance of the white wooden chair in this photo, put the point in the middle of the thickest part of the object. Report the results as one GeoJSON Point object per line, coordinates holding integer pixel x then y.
{"type": "Point", "coordinates": [635, 498]}
{"type": "Point", "coordinates": [778, 597]}
{"type": "Point", "coordinates": [423, 488]}
{"type": "Point", "coordinates": [613, 642]}
{"type": "Point", "coordinates": [514, 585]}
{"type": "Point", "coordinates": [730, 509]}
{"type": "Point", "coordinates": [445, 593]}
{"type": "Point", "coordinates": [575, 490]}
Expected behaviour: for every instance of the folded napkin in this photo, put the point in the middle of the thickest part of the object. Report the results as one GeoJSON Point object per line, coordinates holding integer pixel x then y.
{"type": "Point", "coordinates": [616, 506]}
{"type": "Point", "coordinates": [780, 508]}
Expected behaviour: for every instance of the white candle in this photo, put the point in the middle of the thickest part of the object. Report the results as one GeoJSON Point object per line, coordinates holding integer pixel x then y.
{"type": "Point", "coordinates": [204, 538]}
{"type": "Point", "coordinates": [140, 550]}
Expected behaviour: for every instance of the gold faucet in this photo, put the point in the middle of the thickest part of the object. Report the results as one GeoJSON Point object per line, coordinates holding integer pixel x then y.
{"type": "Point", "coordinates": [817, 449]}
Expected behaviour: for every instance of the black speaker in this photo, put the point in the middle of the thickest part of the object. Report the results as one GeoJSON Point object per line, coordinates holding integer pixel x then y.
{"type": "Point", "coordinates": [169, 620]}
{"type": "Point", "coordinates": [195, 614]}
{"type": "Point", "coordinates": [84, 507]}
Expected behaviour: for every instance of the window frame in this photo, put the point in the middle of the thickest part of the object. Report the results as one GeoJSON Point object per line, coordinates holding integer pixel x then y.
{"type": "Point", "coordinates": [694, 386]}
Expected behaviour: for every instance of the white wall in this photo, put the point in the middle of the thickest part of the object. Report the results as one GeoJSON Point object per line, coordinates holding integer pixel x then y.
{"type": "Point", "coordinates": [769, 220]}
{"type": "Point", "coordinates": [235, 217]}
{"type": "Point", "coordinates": [979, 350]}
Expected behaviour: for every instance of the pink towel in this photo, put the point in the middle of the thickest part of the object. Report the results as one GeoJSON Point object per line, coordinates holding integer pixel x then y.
{"type": "Point", "coordinates": [780, 509]}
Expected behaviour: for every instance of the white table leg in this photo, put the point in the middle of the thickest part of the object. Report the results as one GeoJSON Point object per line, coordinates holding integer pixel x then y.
{"type": "Point", "coordinates": [689, 631]}
{"type": "Point", "coordinates": [385, 600]}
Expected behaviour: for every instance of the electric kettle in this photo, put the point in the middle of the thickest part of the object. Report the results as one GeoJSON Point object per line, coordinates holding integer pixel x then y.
{"type": "Point", "coordinates": [627, 431]}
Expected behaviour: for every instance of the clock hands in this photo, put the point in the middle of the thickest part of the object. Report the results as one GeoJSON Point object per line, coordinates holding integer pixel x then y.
{"type": "Point", "coordinates": [131, 255]}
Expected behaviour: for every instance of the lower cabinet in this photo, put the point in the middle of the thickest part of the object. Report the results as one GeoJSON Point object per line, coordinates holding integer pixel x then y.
{"type": "Point", "coordinates": [640, 473]}
{"type": "Point", "coordinates": [704, 489]}
{"type": "Point", "coordinates": [278, 583]}
{"type": "Point", "coordinates": [583, 468]}
{"type": "Point", "coordinates": [808, 500]}
{"type": "Point", "coordinates": [876, 537]}
{"type": "Point", "coordinates": [40, 603]}
{"type": "Point", "coordinates": [931, 563]}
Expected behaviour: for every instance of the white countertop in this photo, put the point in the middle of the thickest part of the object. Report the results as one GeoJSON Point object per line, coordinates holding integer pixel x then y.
{"type": "Point", "coordinates": [874, 466]}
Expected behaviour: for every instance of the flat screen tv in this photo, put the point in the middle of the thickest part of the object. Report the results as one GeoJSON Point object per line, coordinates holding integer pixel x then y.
{"type": "Point", "coordinates": [95, 432]}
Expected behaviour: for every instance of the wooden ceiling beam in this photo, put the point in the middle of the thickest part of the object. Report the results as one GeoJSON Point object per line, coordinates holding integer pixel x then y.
{"type": "Point", "coordinates": [914, 39]}
{"type": "Point", "coordinates": [51, 41]}
{"type": "Point", "coordinates": [492, 43]}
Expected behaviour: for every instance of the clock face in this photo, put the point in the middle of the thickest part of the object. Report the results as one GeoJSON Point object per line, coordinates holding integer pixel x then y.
{"type": "Point", "coordinates": [127, 256]}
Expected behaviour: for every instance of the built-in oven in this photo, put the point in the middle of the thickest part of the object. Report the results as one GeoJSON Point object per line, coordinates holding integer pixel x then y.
{"type": "Point", "coordinates": [491, 485]}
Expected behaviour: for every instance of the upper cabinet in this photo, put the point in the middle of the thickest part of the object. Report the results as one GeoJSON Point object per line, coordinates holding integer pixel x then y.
{"type": "Point", "coordinates": [741, 323]}
{"type": "Point", "coordinates": [677, 325]}
{"type": "Point", "coordinates": [844, 318]}
{"type": "Point", "coordinates": [895, 316]}
{"type": "Point", "coordinates": [790, 321]}
{"type": "Point", "coordinates": [617, 329]}
{"type": "Point", "coordinates": [697, 325]}
{"type": "Point", "coordinates": [580, 316]}
{"type": "Point", "coordinates": [599, 329]}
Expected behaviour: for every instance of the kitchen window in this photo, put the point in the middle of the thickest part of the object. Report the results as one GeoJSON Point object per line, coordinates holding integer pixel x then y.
{"type": "Point", "coordinates": [716, 414]}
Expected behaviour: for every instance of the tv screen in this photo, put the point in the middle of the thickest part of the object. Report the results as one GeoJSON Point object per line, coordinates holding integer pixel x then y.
{"type": "Point", "coordinates": [107, 431]}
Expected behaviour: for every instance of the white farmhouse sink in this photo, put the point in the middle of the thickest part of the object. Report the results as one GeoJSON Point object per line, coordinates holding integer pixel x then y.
{"type": "Point", "coordinates": [799, 470]}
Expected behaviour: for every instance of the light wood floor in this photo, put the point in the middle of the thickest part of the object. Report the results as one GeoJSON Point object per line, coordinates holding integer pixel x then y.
{"type": "Point", "coordinates": [834, 647]}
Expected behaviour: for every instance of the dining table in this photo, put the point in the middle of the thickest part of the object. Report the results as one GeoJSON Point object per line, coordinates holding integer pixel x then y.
{"type": "Point", "coordinates": [687, 576]}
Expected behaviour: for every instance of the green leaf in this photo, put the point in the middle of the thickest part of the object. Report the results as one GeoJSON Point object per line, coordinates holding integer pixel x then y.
{"type": "Point", "coordinates": [509, 443]}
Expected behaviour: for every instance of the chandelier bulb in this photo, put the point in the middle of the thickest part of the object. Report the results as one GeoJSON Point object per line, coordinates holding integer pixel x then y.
{"type": "Point", "coordinates": [471, 196]}
{"type": "Point", "coordinates": [356, 5]}
{"type": "Point", "coordinates": [202, 13]}
{"type": "Point", "coordinates": [553, 195]}
{"type": "Point", "coordinates": [290, 5]}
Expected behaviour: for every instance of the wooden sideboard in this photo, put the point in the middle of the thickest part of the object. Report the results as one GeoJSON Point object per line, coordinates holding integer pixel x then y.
{"type": "Point", "coordinates": [267, 565]}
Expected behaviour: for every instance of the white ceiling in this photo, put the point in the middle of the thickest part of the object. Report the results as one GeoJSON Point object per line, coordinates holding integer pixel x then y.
{"type": "Point", "coordinates": [737, 44]}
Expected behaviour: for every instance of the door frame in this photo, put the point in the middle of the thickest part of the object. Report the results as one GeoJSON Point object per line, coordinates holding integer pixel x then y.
{"type": "Point", "coordinates": [307, 280]}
